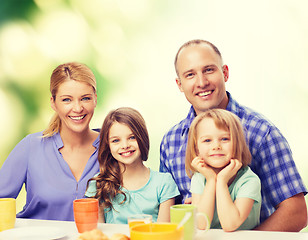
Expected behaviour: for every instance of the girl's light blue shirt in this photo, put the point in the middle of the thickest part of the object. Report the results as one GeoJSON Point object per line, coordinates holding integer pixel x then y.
{"type": "Point", "coordinates": [145, 200]}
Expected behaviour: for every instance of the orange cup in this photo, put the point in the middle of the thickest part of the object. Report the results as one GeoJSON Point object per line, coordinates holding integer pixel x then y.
{"type": "Point", "coordinates": [86, 214]}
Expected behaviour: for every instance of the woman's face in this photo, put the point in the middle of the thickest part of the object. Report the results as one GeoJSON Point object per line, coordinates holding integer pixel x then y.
{"type": "Point", "coordinates": [75, 103]}
{"type": "Point", "coordinates": [214, 144]}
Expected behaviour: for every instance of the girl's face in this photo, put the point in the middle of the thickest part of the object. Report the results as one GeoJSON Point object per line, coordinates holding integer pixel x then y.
{"type": "Point", "coordinates": [214, 144]}
{"type": "Point", "coordinates": [75, 103]}
{"type": "Point", "coordinates": [123, 144]}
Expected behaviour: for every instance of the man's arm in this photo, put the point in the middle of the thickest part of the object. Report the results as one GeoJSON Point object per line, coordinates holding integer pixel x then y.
{"type": "Point", "coordinates": [290, 216]}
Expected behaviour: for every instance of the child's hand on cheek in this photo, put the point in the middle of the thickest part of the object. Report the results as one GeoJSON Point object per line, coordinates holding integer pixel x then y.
{"type": "Point", "coordinates": [199, 165]}
{"type": "Point", "coordinates": [229, 171]}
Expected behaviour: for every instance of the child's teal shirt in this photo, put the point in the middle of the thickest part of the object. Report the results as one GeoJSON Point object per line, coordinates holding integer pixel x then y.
{"type": "Point", "coordinates": [246, 185]}
{"type": "Point", "coordinates": [145, 200]}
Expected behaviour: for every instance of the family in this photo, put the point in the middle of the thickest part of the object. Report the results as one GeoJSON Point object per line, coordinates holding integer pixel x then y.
{"type": "Point", "coordinates": [225, 158]}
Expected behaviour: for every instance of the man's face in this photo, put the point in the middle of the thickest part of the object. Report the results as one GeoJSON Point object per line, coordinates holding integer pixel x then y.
{"type": "Point", "coordinates": [201, 77]}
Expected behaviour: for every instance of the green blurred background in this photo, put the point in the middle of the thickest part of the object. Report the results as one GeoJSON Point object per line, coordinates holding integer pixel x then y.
{"type": "Point", "coordinates": [130, 46]}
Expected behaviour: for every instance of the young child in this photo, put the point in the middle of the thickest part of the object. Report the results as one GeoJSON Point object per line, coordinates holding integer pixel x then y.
{"type": "Point", "coordinates": [124, 185]}
{"type": "Point", "coordinates": [222, 185]}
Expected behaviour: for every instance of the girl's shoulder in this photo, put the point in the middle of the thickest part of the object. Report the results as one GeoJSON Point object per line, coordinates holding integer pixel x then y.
{"type": "Point", "coordinates": [160, 175]}
{"type": "Point", "coordinates": [247, 175]}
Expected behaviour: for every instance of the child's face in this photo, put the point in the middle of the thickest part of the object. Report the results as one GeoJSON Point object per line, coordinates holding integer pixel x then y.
{"type": "Point", "coordinates": [214, 144]}
{"type": "Point", "coordinates": [123, 144]}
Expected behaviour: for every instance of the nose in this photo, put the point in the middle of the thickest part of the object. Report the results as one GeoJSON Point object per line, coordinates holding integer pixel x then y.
{"type": "Point", "coordinates": [216, 145]}
{"type": "Point", "coordinates": [202, 80]}
{"type": "Point", "coordinates": [78, 107]}
{"type": "Point", "coordinates": [125, 145]}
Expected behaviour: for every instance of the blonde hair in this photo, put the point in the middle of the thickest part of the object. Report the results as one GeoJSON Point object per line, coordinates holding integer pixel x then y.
{"type": "Point", "coordinates": [223, 119]}
{"type": "Point", "coordinates": [68, 71]}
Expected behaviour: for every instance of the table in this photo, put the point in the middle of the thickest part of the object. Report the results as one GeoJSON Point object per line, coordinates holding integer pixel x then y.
{"type": "Point", "coordinates": [213, 234]}
{"type": "Point", "coordinates": [68, 227]}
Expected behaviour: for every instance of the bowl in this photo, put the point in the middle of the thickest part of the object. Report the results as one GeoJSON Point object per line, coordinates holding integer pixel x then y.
{"type": "Point", "coordinates": [156, 231]}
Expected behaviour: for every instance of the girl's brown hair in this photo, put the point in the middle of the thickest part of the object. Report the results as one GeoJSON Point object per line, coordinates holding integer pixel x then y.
{"type": "Point", "coordinates": [224, 120]}
{"type": "Point", "coordinates": [109, 180]}
{"type": "Point", "coordinates": [68, 71]}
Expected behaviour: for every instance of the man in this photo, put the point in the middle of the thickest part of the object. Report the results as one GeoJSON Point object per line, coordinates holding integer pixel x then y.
{"type": "Point", "coordinates": [201, 76]}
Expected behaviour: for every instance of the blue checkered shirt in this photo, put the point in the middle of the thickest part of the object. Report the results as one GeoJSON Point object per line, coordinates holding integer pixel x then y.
{"type": "Point", "coordinates": [272, 158]}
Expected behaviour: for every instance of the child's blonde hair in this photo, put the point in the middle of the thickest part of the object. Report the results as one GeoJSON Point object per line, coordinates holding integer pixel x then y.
{"type": "Point", "coordinates": [225, 120]}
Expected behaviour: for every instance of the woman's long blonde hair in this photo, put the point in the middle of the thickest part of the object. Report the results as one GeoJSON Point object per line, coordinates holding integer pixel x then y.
{"type": "Point", "coordinates": [223, 120]}
{"type": "Point", "coordinates": [68, 71]}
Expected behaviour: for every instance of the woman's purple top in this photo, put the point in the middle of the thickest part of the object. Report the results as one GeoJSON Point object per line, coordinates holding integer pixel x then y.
{"type": "Point", "coordinates": [50, 184]}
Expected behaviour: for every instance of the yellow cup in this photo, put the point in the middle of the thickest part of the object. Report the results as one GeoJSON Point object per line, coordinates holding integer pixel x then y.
{"type": "Point", "coordinates": [137, 219]}
{"type": "Point", "coordinates": [7, 213]}
{"type": "Point", "coordinates": [156, 231]}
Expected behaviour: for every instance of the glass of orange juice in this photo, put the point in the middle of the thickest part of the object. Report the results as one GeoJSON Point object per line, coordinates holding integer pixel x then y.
{"type": "Point", "coordinates": [136, 219]}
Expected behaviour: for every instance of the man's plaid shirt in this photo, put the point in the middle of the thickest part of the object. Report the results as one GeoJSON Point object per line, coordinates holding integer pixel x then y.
{"type": "Point", "coordinates": [272, 158]}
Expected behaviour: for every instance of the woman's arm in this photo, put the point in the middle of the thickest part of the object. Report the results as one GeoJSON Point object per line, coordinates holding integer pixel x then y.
{"type": "Point", "coordinates": [164, 210]}
{"type": "Point", "coordinates": [13, 172]}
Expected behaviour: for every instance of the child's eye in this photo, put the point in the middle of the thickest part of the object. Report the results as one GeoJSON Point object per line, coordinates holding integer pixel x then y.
{"type": "Point", "coordinates": [207, 140]}
{"type": "Point", "coordinates": [225, 139]}
{"type": "Point", "coordinates": [115, 140]}
{"type": "Point", "coordinates": [133, 137]}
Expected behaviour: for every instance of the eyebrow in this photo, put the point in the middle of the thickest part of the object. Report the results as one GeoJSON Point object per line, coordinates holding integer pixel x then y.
{"type": "Point", "coordinates": [132, 134]}
{"type": "Point", "coordinates": [206, 66]}
{"type": "Point", "coordinates": [67, 95]}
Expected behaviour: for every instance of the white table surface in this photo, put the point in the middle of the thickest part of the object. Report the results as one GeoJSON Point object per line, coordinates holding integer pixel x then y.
{"type": "Point", "coordinates": [71, 233]}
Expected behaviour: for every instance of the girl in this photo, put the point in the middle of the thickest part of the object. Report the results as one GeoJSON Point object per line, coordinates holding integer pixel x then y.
{"type": "Point", "coordinates": [223, 186]}
{"type": "Point", "coordinates": [56, 164]}
{"type": "Point", "coordinates": [125, 186]}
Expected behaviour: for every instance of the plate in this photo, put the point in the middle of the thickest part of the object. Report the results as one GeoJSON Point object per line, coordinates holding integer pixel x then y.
{"type": "Point", "coordinates": [32, 233]}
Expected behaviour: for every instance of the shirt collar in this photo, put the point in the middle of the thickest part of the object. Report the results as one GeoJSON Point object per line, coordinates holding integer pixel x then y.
{"type": "Point", "coordinates": [59, 142]}
{"type": "Point", "coordinates": [188, 120]}
{"type": "Point", "coordinates": [232, 106]}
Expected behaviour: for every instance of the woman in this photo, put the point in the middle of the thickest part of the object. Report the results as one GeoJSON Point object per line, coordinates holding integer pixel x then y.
{"type": "Point", "coordinates": [56, 164]}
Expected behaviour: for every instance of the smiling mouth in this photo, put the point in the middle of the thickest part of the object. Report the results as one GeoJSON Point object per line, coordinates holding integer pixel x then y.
{"type": "Point", "coordinates": [77, 118]}
{"type": "Point", "coordinates": [128, 153]}
{"type": "Point", "coordinates": [204, 94]}
{"type": "Point", "coordinates": [217, 155]}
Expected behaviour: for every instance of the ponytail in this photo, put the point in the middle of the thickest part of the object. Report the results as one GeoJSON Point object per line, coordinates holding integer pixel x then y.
{"type": "Point", "coordinates": [53, 127]}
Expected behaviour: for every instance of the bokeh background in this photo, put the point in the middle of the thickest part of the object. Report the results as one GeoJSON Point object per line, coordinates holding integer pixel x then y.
{"type": "Point", "coordinates": [131, 45]}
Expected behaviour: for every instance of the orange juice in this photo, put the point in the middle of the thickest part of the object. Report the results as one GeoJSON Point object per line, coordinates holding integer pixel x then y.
{"type": "Point", "coordinates": [138, 219]}
{"type": "Point", "coordinates": [157, 231]}
{"type": "Point", "coordinates": [134, 223]}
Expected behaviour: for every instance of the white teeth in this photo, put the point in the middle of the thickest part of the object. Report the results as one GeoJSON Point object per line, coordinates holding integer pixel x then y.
{"type": "Point", "coordinates": [203, 94]}
{"type": "Point", "coordinates": [77, 118]}
{"type": "Point", "coordinates": [126, 153]}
